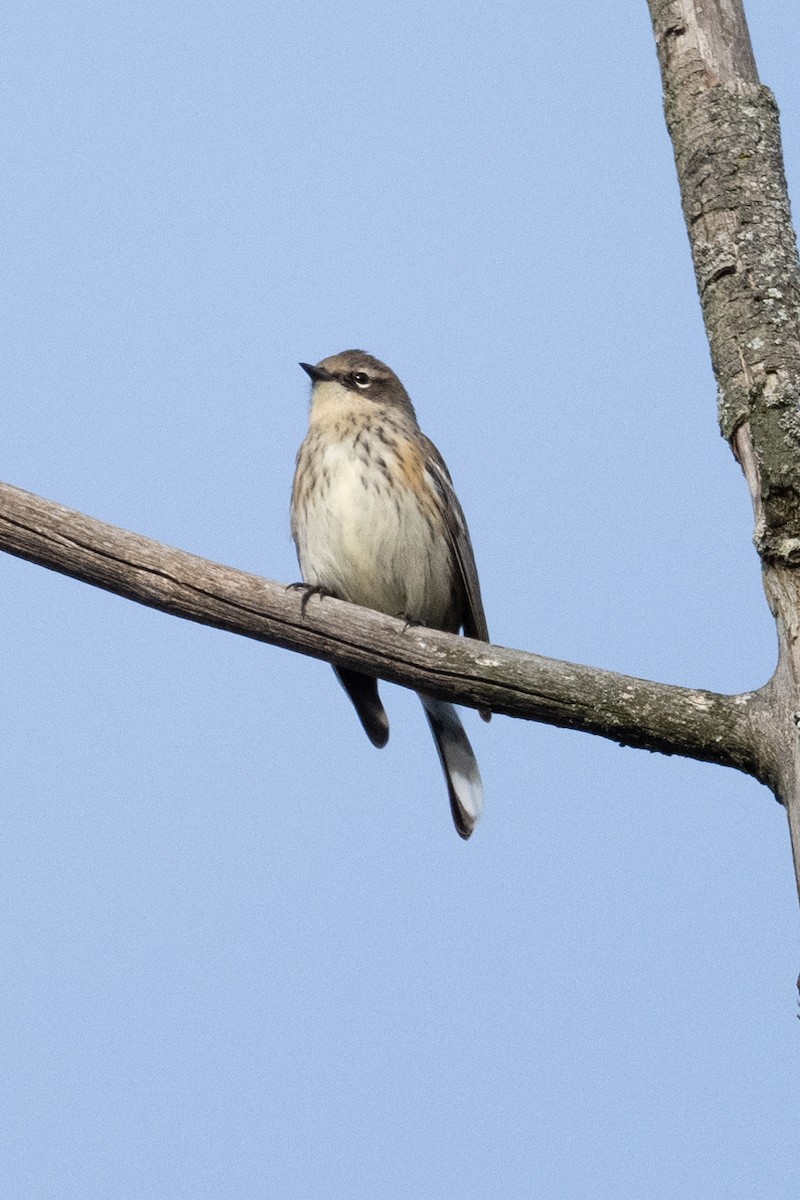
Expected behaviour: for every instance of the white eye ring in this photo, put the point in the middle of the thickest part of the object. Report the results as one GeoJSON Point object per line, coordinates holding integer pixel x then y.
{"type": "Point", "coordinates": [361, 379]}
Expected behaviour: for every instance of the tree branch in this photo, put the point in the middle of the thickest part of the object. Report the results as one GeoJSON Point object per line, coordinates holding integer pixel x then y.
{"type": "Point", "coordinates": [654, 716]}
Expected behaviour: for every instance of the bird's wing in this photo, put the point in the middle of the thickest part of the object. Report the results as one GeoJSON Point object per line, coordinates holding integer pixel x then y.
{"type": "Point", "coordinates": [474, 617]}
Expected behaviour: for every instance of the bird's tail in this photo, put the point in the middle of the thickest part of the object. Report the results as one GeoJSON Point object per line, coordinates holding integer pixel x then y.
{"type": "Point", "coordinates": [464, 785]}
{"type": "Point", "coordinates": [363, 691]}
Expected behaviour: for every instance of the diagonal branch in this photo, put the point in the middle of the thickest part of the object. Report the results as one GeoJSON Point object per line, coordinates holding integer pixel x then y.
{"type": "Point", "coordinates": [654, 716]}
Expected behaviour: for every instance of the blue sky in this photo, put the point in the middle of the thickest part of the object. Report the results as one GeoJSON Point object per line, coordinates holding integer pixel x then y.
{"type": "Point", "coordinates": [245, 954]}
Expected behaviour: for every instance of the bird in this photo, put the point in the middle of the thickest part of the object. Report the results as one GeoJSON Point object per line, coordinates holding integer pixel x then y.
{"type": "Point", "coordinates": [376, 522]}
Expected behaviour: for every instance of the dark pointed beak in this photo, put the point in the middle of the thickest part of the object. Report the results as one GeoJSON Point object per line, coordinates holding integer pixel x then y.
{"type": "Point", "coordinates": [316, 373]}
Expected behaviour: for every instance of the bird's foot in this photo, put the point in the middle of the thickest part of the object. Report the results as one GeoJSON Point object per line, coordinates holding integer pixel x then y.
{"type": "Point", "coordinates": [309, 590]}
{"type": "Point", "coordinates": [408, 622]}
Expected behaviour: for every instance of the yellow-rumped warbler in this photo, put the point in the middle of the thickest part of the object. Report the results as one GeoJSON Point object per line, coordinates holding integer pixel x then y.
{"type": "Point", "coordinates": [376, 522]}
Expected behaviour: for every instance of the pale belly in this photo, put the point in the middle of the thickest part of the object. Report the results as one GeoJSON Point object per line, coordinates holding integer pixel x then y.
{"type": "Point", "coordinates": [372, 545]}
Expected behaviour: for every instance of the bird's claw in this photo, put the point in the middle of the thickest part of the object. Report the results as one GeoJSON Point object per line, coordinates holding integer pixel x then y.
{"type": "Point", "coordinates": [309, 590]}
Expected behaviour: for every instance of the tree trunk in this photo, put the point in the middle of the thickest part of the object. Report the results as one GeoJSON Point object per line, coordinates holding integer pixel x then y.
{"type": "Point", "coordinates": [725, 133]}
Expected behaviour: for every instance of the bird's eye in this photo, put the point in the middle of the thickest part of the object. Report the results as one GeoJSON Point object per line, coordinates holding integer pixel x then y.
{"type": "Point", "coordinates": [361, 379]}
